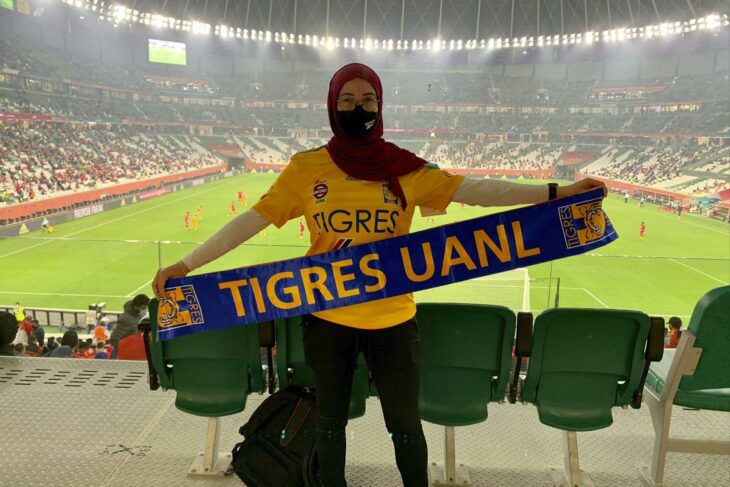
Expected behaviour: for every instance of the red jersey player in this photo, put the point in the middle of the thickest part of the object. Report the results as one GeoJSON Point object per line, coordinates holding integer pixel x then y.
{"type": "Point", "coordinates": [301, 228]}
{"type": "Point", "coordinates": [187, 220]}
{"type": "Point", "coordinates": [642, 230]}
{"type": "Point", "coordinates": [232, 211]}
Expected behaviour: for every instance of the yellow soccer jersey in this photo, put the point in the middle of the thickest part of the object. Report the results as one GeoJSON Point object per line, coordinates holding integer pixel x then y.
{"type": "Point", "coordinates": [342, 211]}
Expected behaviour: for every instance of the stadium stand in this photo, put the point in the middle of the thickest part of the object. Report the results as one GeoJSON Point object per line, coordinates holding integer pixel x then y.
{"type": "Point", "coordinates": [48, 158]}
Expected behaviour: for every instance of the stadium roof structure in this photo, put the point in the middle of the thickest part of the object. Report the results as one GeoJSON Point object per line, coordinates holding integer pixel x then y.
{"type": "Point", "coordinates": [398, 22]}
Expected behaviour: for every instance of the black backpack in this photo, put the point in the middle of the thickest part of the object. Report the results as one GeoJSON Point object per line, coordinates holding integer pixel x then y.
{"type": "Point", "coordinates": [278, 449]}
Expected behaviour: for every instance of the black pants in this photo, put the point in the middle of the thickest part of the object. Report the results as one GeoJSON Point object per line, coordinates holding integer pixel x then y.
{"type": "Point", "coordinates": [393, 356]}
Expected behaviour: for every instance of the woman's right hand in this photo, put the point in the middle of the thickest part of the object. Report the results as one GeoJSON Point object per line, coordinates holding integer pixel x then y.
{"type": "Point", "coordinates": [178, 269]}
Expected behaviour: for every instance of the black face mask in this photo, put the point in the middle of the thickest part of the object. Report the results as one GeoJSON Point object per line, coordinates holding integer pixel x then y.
{"type": "Point", "coordinates": [357, 123]}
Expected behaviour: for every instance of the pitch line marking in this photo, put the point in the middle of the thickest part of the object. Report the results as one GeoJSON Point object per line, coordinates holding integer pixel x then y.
{"type": "Point", "coordinates": [139, 288]}
{"type": "Point", "coordinates": [698, 271]}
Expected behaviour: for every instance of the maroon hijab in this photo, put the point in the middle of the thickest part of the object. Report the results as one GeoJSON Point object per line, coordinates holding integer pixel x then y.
{"type": "Point", "coordinates": [370, 158]}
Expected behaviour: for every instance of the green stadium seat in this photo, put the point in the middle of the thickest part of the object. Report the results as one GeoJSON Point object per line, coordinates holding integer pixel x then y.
{"type": "Point", "coordinates": [695, 375]}
{"type": "Point", "coordinates": [583, 363]}
{"type": "Point", "coordinates": [291, 368]}
{"type": "Point", "coordinates": [465, 364]}
{"type": "Point", "coordinates": [212, 373]}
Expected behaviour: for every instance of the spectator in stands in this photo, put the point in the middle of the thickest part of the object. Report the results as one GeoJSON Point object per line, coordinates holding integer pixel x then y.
{"type": "Point", "coordinates": [25, 329]}
{"type": "Point", "coordinates": [100, 351]}
{"type": "Point", "coordinates": [100, 333]}
{"type": "Point", "coordinates": [8, 330]}
{"type": "Point", "coordinates": [32, 347]}
{"type": "Point", "coordinates": [83, 350]}
{"type": "Point", "coordinates": [108, 348]}
{"type": "Point", "coordinates": [69, 342]}
{"type": "Point", "coordinates": [132, 348]}
{"type": "Point", "coordinates": [386, 329]}
{"type": "Point", "coordinates": [39, 333]}
{"type": "Point", "coordinates": [127, 322]}
{"type": "Point", "coordinates": [50, 346]}
{"type": "Point", "coordinates": [675, 331]}
{"type": "Point", "coordinates": [19, 350]}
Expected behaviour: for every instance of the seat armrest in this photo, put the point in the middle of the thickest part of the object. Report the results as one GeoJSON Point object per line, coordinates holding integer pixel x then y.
{"type": "Point", "coordinates": [653, 353]}
{"type": "Point", "coordinates": [523, 348]}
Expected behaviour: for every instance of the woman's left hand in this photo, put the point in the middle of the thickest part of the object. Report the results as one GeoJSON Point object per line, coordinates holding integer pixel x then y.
{"type": "Point", "coordinates": [580, 187]}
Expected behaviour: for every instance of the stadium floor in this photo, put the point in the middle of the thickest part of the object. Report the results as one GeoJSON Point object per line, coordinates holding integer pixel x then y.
{"type": "Point", "coordinates": [77, 422]}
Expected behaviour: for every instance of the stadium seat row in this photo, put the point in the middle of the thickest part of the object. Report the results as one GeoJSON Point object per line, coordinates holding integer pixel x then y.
{"type": "Point", "coordinates": [582, 363]}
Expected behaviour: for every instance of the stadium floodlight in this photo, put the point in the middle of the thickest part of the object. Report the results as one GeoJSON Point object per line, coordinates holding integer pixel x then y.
{"type": "Point", "coordinates": [713, 21]}
{"type": "Point", "coordinates": [201, 28]}
{"type": "Point", "coordinates": [119, 12]}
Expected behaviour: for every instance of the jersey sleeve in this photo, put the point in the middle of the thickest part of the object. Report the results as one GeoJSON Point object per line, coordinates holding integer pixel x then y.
{"type": "Point", "coordinates": [283, 201]}
{"type": "Point", "coordinates": [433, 187]}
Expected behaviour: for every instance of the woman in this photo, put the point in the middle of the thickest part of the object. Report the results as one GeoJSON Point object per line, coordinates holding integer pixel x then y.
{"type": "Point", "coordinates": [358, 189]}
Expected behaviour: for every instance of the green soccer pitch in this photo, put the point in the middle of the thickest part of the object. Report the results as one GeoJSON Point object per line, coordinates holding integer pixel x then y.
{"type": "Point", "coordinates": [112, 256]}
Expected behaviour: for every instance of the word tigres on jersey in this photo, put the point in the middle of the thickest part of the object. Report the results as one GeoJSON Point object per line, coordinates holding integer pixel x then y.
{"type": "Point", "coordinates": [341, 210]}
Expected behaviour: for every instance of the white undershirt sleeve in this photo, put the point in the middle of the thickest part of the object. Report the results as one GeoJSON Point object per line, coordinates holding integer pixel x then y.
{"type": "Point", "coordinates": [492, 192]}
{"type": "Point", "coordinates": [233, 234]}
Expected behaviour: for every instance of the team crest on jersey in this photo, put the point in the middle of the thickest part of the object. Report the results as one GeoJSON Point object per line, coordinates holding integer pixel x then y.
{"type": "Point", "coordinates": [388, 195]}
{"type": "Point", "coordinates": [582, 223]}
{"type": "Point", "coordinates": [319, 191]}
{"type": "Point", "coordinates": [179, 308]}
